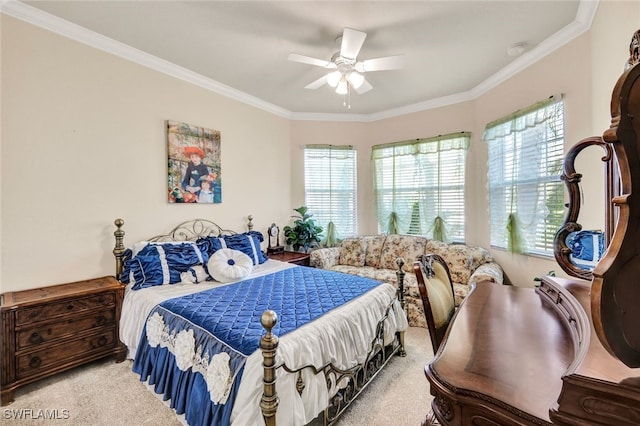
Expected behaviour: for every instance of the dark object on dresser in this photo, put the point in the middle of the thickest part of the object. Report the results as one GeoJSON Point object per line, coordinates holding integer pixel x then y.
{"type": "Point", "coordinates": [51, 329]}
{"type": "Point", "coordinates": [273, 240]}
{"type": "Point", "coordinates": [301, 259]}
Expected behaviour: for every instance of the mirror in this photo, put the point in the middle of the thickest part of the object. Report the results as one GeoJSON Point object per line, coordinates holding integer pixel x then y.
{"type": "Point", "coordinates": [578, 250]}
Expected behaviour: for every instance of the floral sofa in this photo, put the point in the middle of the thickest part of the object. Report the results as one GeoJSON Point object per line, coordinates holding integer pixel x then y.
{"type": "Point", "coordinates": [375, 257]}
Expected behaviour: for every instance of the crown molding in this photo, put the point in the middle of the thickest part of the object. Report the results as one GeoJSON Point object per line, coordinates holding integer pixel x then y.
{"type": "Point", "coordinates": [584, 18]}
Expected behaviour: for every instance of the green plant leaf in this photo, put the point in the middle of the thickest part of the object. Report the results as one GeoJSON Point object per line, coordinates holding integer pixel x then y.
{"type": "Point", "coordinates": [304, 233]}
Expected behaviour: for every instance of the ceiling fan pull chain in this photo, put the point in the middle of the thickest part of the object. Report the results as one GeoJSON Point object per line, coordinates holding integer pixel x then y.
{"type": "Point", "coordinates": [346, 101]}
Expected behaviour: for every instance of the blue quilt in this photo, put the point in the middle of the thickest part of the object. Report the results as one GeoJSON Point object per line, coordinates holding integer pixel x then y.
{"type": "Point", "coordinates": [193, 348]}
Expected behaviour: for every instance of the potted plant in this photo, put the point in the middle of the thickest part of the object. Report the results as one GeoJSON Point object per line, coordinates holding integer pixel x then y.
{"type": "Point", "coordinates": [304, 233]}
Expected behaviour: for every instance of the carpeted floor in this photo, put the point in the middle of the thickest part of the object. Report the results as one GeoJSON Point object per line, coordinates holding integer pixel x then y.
{"type": "Point", "coordinates": [104, 393]}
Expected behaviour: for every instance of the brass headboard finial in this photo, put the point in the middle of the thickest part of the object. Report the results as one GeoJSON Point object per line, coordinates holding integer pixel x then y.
{"type": "Point", "coordinates": [118, 250]}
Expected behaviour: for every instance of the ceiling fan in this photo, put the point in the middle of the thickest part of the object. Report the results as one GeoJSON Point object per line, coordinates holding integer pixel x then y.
{"type": "Point", "coordinates": [347, 72]}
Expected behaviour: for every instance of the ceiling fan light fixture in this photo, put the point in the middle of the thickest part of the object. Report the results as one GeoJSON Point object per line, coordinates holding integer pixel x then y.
{"type": "Point", "coordinates": [333, 78]}
{"type": "Point", "coordinates": [342, 88]}
{"type": "Point", "coordinates": [355, 79]}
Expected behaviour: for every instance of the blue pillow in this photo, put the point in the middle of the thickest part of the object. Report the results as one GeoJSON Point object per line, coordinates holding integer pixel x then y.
{"type": "Point", "coordinates": [160, 263]}
{"type": "Point", "coordinates": [248, 243]}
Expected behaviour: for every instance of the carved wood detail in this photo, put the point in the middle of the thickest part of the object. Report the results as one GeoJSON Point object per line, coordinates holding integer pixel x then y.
{"type": "Point", "coordinates": [615, 289]}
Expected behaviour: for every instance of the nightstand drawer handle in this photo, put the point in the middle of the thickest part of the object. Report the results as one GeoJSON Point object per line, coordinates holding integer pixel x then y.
{"type": "Point", "coordinates": [70, 306]}
{"type": "Point", "coordinates": [35, 362]}
{"type": "Point", "coordinates": [35, 338]}
{"type": "Point", "coordinates": [102, 341]}
{"type": "Point", "coordinates": [101, 320]}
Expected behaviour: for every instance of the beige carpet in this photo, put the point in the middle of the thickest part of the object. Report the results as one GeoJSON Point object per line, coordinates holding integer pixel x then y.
{"type": "Point", "coordinates": [105, 394]}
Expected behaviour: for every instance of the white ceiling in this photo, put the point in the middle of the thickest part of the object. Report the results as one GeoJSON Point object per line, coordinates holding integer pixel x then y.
{"type": "Point", "coordinates": [454, 50]}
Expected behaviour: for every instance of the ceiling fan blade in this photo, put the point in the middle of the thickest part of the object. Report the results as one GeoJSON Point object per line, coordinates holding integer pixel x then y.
{"type": "Point", "coordinates": [381, 64]}
{"type": "Point", "coordinates": [351, 43]}
{"type": "Point", "coordinates": [364, 87]}
{"type": "Point", "coordinates": [294, 57]}
{"type": "Point", "coordinates": [317, 84]}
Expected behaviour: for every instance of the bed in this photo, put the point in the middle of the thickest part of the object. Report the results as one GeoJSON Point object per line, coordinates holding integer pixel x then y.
{"type": "Point", "coordinates": [283, 343]}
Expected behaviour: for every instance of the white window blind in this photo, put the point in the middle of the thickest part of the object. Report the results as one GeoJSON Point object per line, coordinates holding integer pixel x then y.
{"type": "Point", "coordinates": [420, 181]}
{"type": "Point", "coordinates": [526, 195]}
{"type": "Point", "coordinates": [330, 187]}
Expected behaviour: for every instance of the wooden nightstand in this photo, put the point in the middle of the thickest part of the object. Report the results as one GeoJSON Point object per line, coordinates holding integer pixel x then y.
{"type": "Point", "coordinates": [51, 329]}
{"type": "Point", "coordinates": [292, 257]}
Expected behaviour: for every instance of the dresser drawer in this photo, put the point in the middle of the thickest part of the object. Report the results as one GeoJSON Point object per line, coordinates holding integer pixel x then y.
{"type": "Point", "coordinates": [67, 307]}
{"type": "Point", "coordinates": [34, 362]}
{"type": "Point", "coordinates": [65, 327]}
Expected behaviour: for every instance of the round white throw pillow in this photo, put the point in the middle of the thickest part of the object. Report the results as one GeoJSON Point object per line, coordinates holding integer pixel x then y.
{"type": "Point", "coordinates": [226, 265]}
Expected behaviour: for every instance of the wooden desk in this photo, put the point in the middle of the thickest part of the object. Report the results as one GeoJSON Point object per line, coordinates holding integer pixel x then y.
{"type": "Point", "coordinates": [512, 353]}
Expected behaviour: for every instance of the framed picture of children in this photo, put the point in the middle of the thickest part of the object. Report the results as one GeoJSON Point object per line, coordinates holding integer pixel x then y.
{"type": "Point", "coordinates": [194, 164]}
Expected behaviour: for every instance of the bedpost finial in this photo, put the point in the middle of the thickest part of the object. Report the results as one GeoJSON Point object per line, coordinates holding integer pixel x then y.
{"type": "Point", "coordinates": [400, 262]}
{"type": "Point", "coordinates": [268, 320]}
{"type": "Point", "coordinates": [250, 224]}
{"type": "Point", "coordinates": [118, 250]}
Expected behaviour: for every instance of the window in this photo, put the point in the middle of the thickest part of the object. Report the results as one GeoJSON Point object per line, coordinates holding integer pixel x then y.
{"type": "Point", "coordinates": [330, 187]}
{"type": "Point", "coordinates": [526, 195]}
{"type": "Point", "coordinates": [421, 183]}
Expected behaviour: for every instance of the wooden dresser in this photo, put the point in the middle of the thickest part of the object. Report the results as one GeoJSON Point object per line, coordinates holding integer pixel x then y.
{"type": "Point", "coordinates": [51, 329]}
{"type": "Point", "coordinates": [301, 259]}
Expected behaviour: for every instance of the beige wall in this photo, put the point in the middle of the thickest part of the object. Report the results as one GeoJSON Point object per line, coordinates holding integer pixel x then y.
{"type": "Point", "coordinates": [83, 143]}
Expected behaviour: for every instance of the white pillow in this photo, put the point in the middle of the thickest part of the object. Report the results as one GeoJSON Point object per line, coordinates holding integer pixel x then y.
{"type": "Point", "coordinates": [226, 265]}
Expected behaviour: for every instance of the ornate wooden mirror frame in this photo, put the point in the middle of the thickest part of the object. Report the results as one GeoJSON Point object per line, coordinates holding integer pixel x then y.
{"type": "Point", "coordinates": [613, 184]}
{"type": "Point", "coordinates": [572, 179]}
{"type": "Point", "coordinates": [615, 286]}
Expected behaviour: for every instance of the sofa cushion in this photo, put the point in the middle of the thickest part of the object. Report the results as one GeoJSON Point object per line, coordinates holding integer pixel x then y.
{"type": "Point", "coordinates": [409, 247]}
{"type": "Point", "coordinates": [457, 256]}
{"type": "Point", "coordinates": [479, 256]}
{"type": "Point", "coordinates": [384, 275]}
{"type": "Point", "coordinates": [352, 252]}
{"type": "Point", "coordinates": [373, 249]}
{"type": "Point", "coordinates": [362, 271]}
